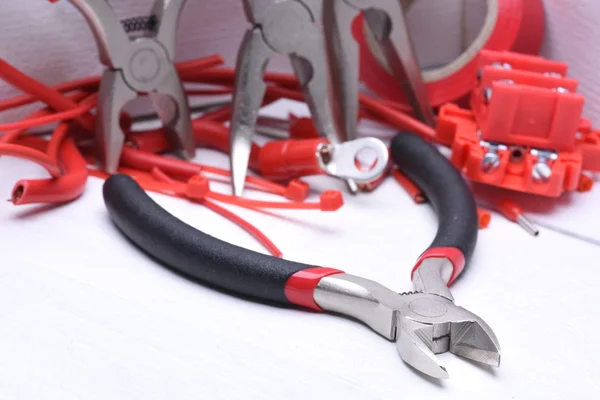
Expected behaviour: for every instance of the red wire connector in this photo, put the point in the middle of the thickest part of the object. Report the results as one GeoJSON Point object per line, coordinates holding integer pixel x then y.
{"type": "Point", "coordinates": [514, 213]}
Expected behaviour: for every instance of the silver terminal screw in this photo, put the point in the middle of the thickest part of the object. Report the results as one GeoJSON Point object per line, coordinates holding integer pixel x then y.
{"type": "Point", "coordinates": [491, 159]}
{"type": "Point", "coordinates": [490, 162]}
{"type": "Point", "coordinates": [542, 170]}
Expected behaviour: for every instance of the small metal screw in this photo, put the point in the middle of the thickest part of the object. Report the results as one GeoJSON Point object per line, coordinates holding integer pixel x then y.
{"type": "Point", "coordinates": [490, 162]}
{"type": "Point", "coordinates": [541, 172]}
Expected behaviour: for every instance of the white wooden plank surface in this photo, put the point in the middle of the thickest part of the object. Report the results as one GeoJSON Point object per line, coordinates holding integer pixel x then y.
{"type": "Point", "coordinates": [86, 315]}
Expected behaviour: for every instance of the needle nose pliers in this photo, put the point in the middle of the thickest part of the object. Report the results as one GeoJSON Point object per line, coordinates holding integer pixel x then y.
{"type": "Point", "coordinates": [422, 324]}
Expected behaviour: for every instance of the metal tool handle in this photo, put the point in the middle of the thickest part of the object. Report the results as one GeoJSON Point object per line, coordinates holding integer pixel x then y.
{"type": "Point", "coordinates": [194, 253]}
{"type": "Point", "coordinates": [447, 192]}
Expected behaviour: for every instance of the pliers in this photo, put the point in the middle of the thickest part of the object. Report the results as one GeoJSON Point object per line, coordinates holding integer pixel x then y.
{"type": "Point", "coordinates": [289, 27]}
{"type": "Point", "coordinates": [422, 323]}
{"type": "Point", "coordinates": [138, 64]}
{"type": "Point", "coordinates": [386, 27]}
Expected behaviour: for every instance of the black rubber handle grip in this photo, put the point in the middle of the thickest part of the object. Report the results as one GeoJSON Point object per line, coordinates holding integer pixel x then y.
{"type": "Point", "coordinates": [445, 189]}
{"type": "Point", "coordinates": [191, 252]}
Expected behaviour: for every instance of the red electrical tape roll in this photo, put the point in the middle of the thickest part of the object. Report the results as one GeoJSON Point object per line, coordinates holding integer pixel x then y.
{"type": "Point", "coordinates": [516, 25]}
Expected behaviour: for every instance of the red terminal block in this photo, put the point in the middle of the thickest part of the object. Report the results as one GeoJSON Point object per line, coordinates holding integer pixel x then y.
{"type": "Point", "coordinates": [525, 131]}
{"type": "Point", "coordinates": [331, 200]}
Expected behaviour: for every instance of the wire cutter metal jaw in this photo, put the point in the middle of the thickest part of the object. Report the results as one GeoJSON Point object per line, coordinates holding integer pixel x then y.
{"type": "Point", "coordinates": [288, 27]}
{"type": "Point", "coordinates": [386, 24]}
{"type": "Point", "coordinates": [138, 65]}
{"type": "Point", "coordinates": [422, 323]}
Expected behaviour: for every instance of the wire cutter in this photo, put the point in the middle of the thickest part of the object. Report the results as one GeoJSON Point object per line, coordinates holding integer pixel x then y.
{"type": "Point", "coordinates": [388, 30]}
{"type": "Point", "coordinates": [289, 27]}
{"type": "Point", "coordinates": [141, 64]}
{"type": "Point", "coordinates": [422, 323]}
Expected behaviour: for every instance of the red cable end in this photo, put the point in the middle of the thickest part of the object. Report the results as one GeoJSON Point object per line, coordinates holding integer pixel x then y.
{"type": "Point", "coordinates": [484, 218]}
{"type": "Point", "coordinates": [331, 200]}
{"type": "Point", "coordinates": [297, 190]}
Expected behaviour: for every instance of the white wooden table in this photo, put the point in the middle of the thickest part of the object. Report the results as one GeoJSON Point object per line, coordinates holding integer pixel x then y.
{"type": "Point", "coordinates": [86, 315]}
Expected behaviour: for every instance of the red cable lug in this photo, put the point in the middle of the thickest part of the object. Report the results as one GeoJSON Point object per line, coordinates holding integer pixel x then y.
{"type": "Point", "coordinates": [197, 187]}
{"type": "Point", "coordinates": [297, 190]}
{"type": "Point", "coordinates": [331, 200]}
{"type": "Point", "coordinates": [288, 159]}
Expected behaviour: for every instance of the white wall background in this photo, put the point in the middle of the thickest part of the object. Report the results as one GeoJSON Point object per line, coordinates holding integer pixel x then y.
{"type": "Point", "coordinates": [52, 42]}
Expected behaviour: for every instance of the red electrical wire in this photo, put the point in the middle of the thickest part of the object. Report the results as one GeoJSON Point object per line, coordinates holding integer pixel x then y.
{"type": "Point", "coordinates": [249, 203]}
{"type": "Point", "coordinates": [11, 136]}
{"type": "Point", "coordinates": [64, 188]}
{"type": "Point", "coordinates": [242, 223]}
{"type": "Point", "coordinates": [92, 83]}
{"type": "Point", "coordinates": [207, 92]}
{"type": "Point", "coordinates": [51, 97]}
{"type": "Point", "coordinates": [38, 157]}
{"type": "Point", "coordinates": [61, 116]}
{"type": "Point", "coordinates": [184, 170]}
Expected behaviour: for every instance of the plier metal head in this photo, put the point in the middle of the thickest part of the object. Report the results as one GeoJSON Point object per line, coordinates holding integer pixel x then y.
{"type": "Point", "coordinates": [422, 323]}
{"type": "Point", "coordinates": [386, 25]}
{"type": "Point", "coordinates": [292, 28]}
{"type": "Point", "coordinates": [141, 64]}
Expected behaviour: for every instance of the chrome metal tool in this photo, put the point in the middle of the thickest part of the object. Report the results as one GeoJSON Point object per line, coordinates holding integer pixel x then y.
{"type": "Point", "coordinates": [138, 64]}
{"type": "Point", "coordinates": [289, 27]}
